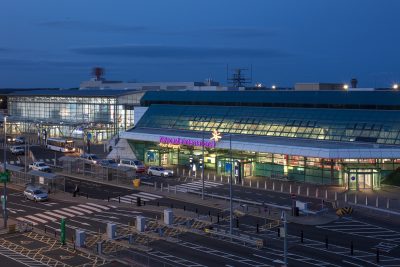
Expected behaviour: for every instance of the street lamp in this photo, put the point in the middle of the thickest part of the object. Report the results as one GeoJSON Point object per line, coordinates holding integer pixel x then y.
{"type": "Point", "coordinates": [5, 174]}
{"type": "Point", "coordinates": [345, 86]}
{"type": "Point", "coordinates": [395, 86]}
{"type": "Point", "coordinates": [202, 167]}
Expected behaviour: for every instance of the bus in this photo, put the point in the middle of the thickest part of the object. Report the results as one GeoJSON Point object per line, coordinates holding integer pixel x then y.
{"type": "Point", "coordinates": [60, 144]}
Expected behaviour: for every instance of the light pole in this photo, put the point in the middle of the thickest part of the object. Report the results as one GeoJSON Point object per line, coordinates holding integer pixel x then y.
{"type": "Point", "coordinates": [5, 171]}
{"type": "Point", "coordinates": [202, 168]}
{"type": "Point", "coordinates": [230, 187]}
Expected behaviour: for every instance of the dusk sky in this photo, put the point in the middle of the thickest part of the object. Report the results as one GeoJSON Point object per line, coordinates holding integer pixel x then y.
{"type": "Point", "coordinates": [50, 43]}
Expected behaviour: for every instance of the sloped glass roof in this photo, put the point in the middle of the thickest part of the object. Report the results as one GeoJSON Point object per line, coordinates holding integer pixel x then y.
{"type": "Point", "coordinates": [372, 126]}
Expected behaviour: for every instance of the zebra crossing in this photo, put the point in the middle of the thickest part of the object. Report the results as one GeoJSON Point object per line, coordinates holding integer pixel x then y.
{"type": "Point", "coordinates": [132, 198]}
{"type": "Point", "coordinates": [354, 227]}
{"type": "Point", "coordinates": [67, 212]}
{"type": "Point", "coordinates": [195, 186]}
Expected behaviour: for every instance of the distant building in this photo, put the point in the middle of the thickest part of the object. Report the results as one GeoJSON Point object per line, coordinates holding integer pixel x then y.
{"type": "Point", "coordinates": [318, 86]}
{"type": "Point", "coordinates": [208, 85]}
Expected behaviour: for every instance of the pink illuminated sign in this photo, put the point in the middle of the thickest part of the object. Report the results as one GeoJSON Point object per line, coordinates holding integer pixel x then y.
{"type": "Point", "coordinates": [186, 142]}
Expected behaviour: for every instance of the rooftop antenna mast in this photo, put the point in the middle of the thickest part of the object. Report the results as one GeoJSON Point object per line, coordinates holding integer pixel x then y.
{"type": "Point", "coordinates": [238, 77]}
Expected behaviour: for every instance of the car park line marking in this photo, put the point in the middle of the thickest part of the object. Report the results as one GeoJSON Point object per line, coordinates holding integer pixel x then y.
{"type": "Point", "coordinates": [20, 258]}
{"type": "Point", "coordinates": [81, 209]}
{"type": "Point", "coordinates": [175, 259]}
{"type": "Point", "coordinates": [26, 220]}
{"type": "Point", "coordinates": [99, 206]}
{"type": "Point", "coordinates": [152, 195]}
{"type": "Point", "coordinates": [35, 219]}
{"type": "Point", "coordinates": [90, 208]}
{"type": "Point", "coordinates": [46, 217]}
{"type": "Point", "coordinates": [55, 215]}
{"type": "Point", "coordinates": [73, 211]}
{"type": "Point", "coordinates": [348, 262]}
{"type": "Point", "coordinates": [64, 213]}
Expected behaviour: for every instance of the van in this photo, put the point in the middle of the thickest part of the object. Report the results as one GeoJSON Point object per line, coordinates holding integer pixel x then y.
{"type": "Point", "coordinates": [132, 163]}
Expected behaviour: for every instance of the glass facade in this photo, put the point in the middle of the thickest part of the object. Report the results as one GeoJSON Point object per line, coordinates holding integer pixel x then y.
{"type": "Point", "coordinates": [70, 116]}
{"type": "Point", "coordinates": [374, 126]}
{"type": "Point", "coordinates": [350, 173]}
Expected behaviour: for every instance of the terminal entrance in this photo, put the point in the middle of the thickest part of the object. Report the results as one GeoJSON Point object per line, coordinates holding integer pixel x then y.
{"type": "Point", "coordinates": [360, 179]}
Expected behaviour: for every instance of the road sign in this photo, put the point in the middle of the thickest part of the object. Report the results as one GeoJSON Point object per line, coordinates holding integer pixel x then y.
{"type": "Point", "coordinates": [89, 135]}
{"type": "Point", "coordinates": [5, 176]}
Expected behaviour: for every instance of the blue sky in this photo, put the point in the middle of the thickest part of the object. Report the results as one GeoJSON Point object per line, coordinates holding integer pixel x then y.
{"type": "Point", "coordinates": [47, 43]}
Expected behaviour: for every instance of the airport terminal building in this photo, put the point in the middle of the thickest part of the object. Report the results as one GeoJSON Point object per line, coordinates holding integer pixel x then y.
{"type": "Point", "coordinates": [348, 138]}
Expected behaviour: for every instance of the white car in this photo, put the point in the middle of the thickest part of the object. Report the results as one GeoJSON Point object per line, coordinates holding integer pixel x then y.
{"type": "Point", "coordinates": [17, 150]}
{"type": "Point", "coordinates": [39, 166]}
{"type": "Point", "coordinates": [35, 194]}
{"type": "Point", "coordinates": [159, 171]}
{"type": "Point", "coordinates": [90, 158]}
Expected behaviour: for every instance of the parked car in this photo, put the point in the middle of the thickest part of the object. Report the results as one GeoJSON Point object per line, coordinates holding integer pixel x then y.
{"type": "Point", "coordinates": [10, 139]}
{"type": "Point", "coordinates": [133, 163]}
{"type": "Point", "coordinates": [159, 171]}
{"type": "Point", "coordinates": [35, 194]}
{"type": "Point", "coordinates": [17, 150]}
{"type": "Point", "coordinates": [20, 140]}
{"type": "Point", "coordinates": [90, 158]}
{"type": "Point", "coordinates": [39, 166]}
{"type": "Point", "coordinates": [108, 163]}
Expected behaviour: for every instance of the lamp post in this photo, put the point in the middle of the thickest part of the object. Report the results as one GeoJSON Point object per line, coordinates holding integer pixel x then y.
{"type": "Point", "coordinates": [202, 168]}
{"type": "Point", "coordinates": [5, 171]}
{"type": "Point", "coordinates": [230, 187]}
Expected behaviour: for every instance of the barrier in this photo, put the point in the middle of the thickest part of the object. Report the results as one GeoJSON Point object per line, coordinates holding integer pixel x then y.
{"type": "Point", "coordinates": [344, 211]}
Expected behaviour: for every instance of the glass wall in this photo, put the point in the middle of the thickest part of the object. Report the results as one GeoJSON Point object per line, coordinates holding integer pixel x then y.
{"type": "Point", "coordinates": [368, 172]}
{"type": "Point", "coordinates": [69, 116]}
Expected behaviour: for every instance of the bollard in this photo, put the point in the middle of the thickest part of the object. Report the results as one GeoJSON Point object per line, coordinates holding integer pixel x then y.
{"type": "Point", "coordinates": [140, 223]}
{"type": "Point", "coordinates": [316, 192]}
{"type": "Point", "coordinates": [258, 184]}
{"type": "Point", "coordinates": [155, 186]}
{"type": "Point", "coordinates": [298, 190]}
{"type": "Point", "coordinates": [335, 196]}
{"type": "Point", "coordinates": [279, 231]}
{"type": "Point", "coordinates": [377, 202]}
{"type": "Point", "coordinates": [290, 188]}
{"type": "Point", "coordinates": [168, 217]}
{"type": "Point", "coordinates": [387, 203]}
{"type": "Point", "coordinates": [377, 254]}
{"type": "Point", "coordinates": [218, 218]}
{"type": "Point", "coordinates": [326, 193]}
{"type": "Point", "coordinates": [326, 242]}
{"type": "Point", "coordinates": [242, 182]}
{"type": "Point", "coordinates": [345, 197]}
{"type": "Point", "coordinates": [175, 189]}
{"type": "Point", "coordinates": [257, 229]}
{"type": "Point", "coordinates": [172, 206]}
{"type": "Point", "coordinates": [119, 199]}
{"type": "Point", "coordinates": [196, 211]}
{"type": "Point", "coordinates": [111, 230]}
{"type": "Point", "coordinates": [108, 199]}
{"type": "Point", "coordinates": [281, 187]}
{"type": "Point", "coordinates": [355, 199]}
{"type": "Point", "coordinates": [237, 222]}
{"type": "Point", "coordinates": [168, 188]}
{"type": "Point", "coordinates": [308, 191]}
{"type": "Point", "coordinates": [183, 172]}
{"type": "Point", "coordinates": [221, 178]}
{"type": "Point", "coordinates": [265, 185]}
{"type": "Point", "coordinates": [79, 238]}
{"type": "Point", "coordinates": [351, 248]}
{"type": "Point", "coordinates": [184, 208]}
{"type": "Point", "coordinates": [158, 204]}
{"type": "Point", "coordinates": [214, 178]}
{"type": "Point", "coordinates": [301, 236]}
{"type": "Point", "coordinates": [250, 183]}
{"type": "Point", "coordinates": [208, 176]}
{"type": "Point", "coordinates": [273, 186]}
{"type": "Point", "coordinates": [366, 200]}
{"type": "Point", "coordinates": [87, 195]}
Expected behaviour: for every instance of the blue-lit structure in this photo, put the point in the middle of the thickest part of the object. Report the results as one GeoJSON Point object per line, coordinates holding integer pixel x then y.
{"type": "Point", "coordinates": [348, 138]}
{"type": "Point", "coordinates": [72, 113]}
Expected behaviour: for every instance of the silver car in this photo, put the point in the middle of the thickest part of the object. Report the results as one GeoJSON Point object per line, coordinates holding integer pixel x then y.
{"type": "Point", "coordinates": [159, 171]}
{"type": "Point", "coordinates": [35, 194]}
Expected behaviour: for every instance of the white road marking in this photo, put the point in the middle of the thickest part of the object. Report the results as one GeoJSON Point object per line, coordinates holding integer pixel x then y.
{"type": "Point", "coordinates": [73, 211]}
{"type": "Point", "coordinates": [98, 206]}
{"type": "Point", "coordinates": [55, 215]}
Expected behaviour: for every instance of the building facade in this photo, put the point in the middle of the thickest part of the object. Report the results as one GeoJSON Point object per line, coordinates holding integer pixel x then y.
{"type": "Point", "coordinates": [327, 137]}
{"type": "Point", "coordinates": [72, 113]}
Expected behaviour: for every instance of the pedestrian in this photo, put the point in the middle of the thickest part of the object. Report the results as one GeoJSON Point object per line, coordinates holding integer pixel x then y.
{"type": "Point", "coordinates": [76, 190]}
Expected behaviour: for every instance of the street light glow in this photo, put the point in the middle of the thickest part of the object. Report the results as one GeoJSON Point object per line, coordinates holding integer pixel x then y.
{"type": "Point", "coordinates": [395, 86]}
{"type": "Point", "coordinates": [273, 87]}
{"type": "Point", "coordinates": [345, 86]}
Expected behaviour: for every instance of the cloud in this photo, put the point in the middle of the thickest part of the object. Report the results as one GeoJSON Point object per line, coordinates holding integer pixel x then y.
{"type": "Point", "coordinates": [178, 52]}
{"type": "Point", "coordinates": [243, 32]}
{"type": "Point", "coordinates": [92, 26]}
